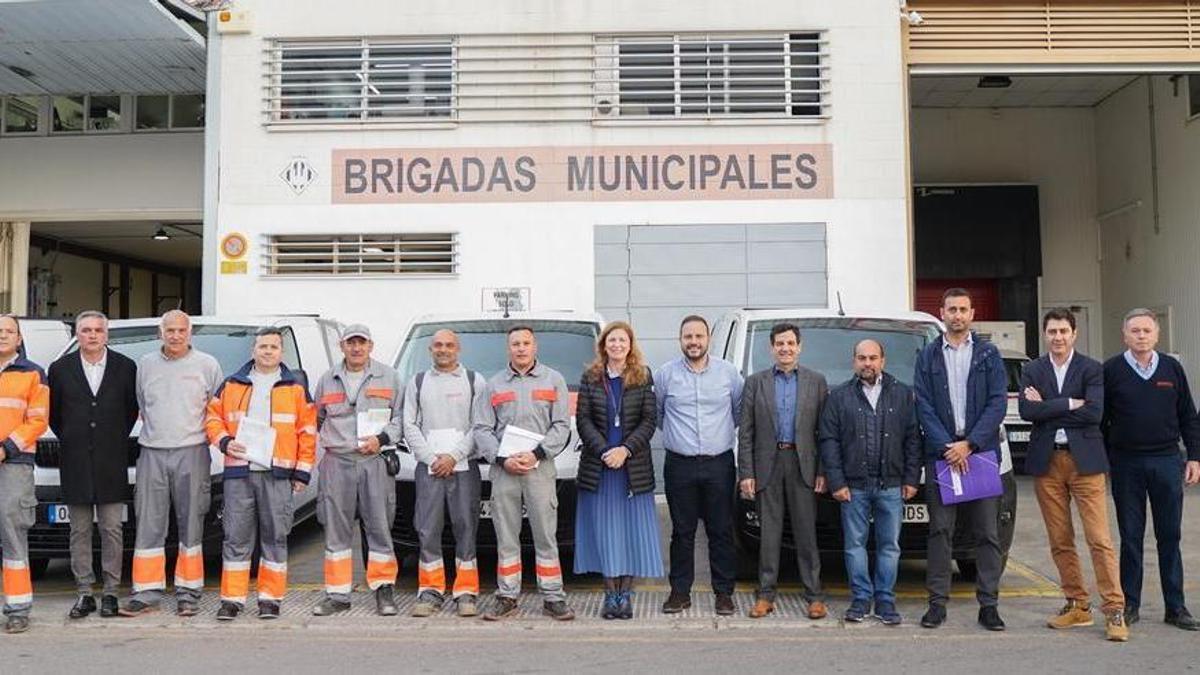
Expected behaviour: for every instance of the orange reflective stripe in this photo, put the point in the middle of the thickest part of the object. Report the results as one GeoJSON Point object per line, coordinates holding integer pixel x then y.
{"type": "Point", "coordinates": [549, 568]}
{"type": "Point", "coordinates": [149, 569]}
{"type": "Point", "coordinates": [235, 580]}
{"type": "Point", "coordinates": [431, 577]}
{"type": "Point", "coordinates": [466, 578]}
{"type": "Point", "coordinates": [18, 585]}
{"type": "Point", "coordinates": [509, 570]}
{"type": "Point", "coordinates": [382, 569]}
{"type": "Point", "coordinates": [330, 399]}
{"type": "Point", "coordinates": [380, 393]}
{"type": "Point", "coordinates": [503, 397]}
{"type": "Point", "coordinates": [544, 395]}
{"type": "Point", "coordinates": [339, 573]}
{"type": "Point", "coordinates": [272, 580]}
{"type": "Point", "coordinates": [189, 567]}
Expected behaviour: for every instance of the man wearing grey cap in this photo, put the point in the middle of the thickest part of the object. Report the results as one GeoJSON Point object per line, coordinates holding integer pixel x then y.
{"type": "Point", "coordinates": [354, 399]}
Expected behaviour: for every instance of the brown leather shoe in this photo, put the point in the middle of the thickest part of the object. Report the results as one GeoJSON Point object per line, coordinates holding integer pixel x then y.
{"type": "Point", "coordinates": [817, 610]}
{"type": "Point", "coordinates": [761, 608]}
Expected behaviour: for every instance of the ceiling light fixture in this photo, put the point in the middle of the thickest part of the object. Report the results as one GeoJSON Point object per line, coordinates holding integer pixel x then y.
{"type": "Point", "coordinates": [161, 234]}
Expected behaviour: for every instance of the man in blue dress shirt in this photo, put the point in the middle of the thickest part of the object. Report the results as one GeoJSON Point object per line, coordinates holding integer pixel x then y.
{"type": "Point", "coordinates": [698, 400]}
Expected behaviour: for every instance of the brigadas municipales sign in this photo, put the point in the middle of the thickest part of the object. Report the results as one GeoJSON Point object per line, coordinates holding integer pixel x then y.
{"type": "Point", "coordinates": [586, 173]}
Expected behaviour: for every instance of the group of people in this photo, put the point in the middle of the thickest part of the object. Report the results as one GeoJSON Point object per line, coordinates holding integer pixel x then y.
{"type": "Point", "coordinates": [866, 442]}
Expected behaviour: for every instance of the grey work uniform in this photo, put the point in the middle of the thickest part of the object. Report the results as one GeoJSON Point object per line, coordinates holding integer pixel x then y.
{"type": "Point", "coordinates": [444, 402]}
{"type": "Point", "coordinates": [537, 402]}
{"type": "Point", "coordinates": [172, 468]}
{"type": "Point", "coordinates": [352, 483]}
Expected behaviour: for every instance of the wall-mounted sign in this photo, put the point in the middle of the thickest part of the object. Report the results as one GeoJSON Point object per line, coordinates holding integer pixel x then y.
{"type": "Point", "coordinates": [508, 299]}
{"type": "Point", "coordinates": [234, 245]}
{"type": "Point", "coordinates": [233, 248]}
{"type": "Point", "coordinates": [585, 173]}
{"type": "Point", "coordinates": [298, 174]}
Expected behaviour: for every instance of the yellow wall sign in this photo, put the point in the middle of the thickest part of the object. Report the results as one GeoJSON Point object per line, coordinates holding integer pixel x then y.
{"type": "Point", "coordinates": [233, 267]}
{"type": "Point", "coordinates": [234, 245]}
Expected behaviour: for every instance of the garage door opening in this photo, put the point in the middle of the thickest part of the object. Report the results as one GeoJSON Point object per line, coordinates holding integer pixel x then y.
{"type": "Point", "coordinates": [1048, 190]}
{"type": "Point", "coordinates": [127, 269]}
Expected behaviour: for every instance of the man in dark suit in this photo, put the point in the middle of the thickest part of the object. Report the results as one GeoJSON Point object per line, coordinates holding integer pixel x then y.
{"type": "Point", "coordinates": [962, 394]}
{"type": "Point", "coordinates": [93, 407]}
{"type": "Point", "coordinates": [777, 465]}
{"type": "Point", "coordinates": [1062, 393]}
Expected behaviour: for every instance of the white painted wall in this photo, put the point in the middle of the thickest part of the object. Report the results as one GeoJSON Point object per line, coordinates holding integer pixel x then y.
{"type": "Point", "coordinates": [1053, 148]}
{"type": "Point", "coordinates": [1142, 267]}
{"type": "Point", "coordinates": [549, 246]}
{"type": "Point", "coordinates": [102, 177]}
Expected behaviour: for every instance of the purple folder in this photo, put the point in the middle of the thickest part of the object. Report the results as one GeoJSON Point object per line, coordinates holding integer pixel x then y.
{"type": "Point", "coordinates": [981, 481]}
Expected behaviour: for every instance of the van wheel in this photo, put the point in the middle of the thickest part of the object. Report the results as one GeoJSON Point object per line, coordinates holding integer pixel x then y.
{"type": "Point", "coordinates": [37, 567]}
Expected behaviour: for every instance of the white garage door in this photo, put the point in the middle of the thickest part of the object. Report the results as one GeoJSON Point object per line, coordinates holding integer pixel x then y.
{"type": "Point", "coordinates": [654, 275]}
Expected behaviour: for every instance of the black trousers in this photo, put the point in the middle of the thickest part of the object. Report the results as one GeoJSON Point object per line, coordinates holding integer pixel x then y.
{"type": "Point", "coordinates": [981, 516]}
{"type": "Point", "coordinates": [701, 488]}
{"type": "Point", "coordinates": [1159, 479]}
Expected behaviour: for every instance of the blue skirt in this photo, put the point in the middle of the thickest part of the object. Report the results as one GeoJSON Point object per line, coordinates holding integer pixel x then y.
{"type": "Point", "coordinates": [615, 534]}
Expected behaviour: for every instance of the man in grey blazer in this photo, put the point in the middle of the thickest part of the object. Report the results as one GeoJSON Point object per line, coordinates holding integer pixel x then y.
{"type": "Point", "coordinates": [777, 465]}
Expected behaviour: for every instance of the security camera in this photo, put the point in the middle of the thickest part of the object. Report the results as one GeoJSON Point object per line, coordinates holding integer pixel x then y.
{"type": "Point", "coordinates": [913, 17]}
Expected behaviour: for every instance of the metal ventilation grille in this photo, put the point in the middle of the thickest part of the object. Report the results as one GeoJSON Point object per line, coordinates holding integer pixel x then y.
{"type": "Point", "coordinates": [360, 254]}
{"type": "Point", "coordinates": [1053, 30]}
{"type": "Point", "coordinates": [547, 78]}
{"type": "Point", "coordinates": [779, 75]}
{"type": "Point", "coordinates": [359, 80]}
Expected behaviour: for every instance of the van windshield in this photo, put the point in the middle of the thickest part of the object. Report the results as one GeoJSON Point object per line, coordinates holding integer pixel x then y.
{"type": "Point", "coordinates": [229, 345]}
{"type": "Point", "coordinates": [828, 345]}
{"type": "Point", "coordinates": [566, 346]}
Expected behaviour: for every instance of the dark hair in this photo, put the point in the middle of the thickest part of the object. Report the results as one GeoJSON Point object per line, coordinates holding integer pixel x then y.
{"type": "Point", "coordinates": [268, 330]}
{"type": "Point", "coordinates": [691, 318]}
{"type": "Point", "coordinates": [1059, 314]}
{"type": "Point", "coordinates": [519, 327]}
{"type": "Point", "coordinates": [781, 328]}
{"type": "Point", "coordinates": [882, 351]}
{"type": "Point", "coordinates": [956, 292]}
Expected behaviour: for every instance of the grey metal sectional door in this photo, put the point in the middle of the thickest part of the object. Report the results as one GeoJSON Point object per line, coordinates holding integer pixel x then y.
{"type": "Point", "coordinates": [654, 275]}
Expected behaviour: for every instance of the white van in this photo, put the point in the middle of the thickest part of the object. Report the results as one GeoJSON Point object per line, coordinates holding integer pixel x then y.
{"type": "Point", "coordinates": [829, 336]}
{"type": "Point", "coordinates": [566, 342]}
{"type": "Point", "coordinates": [310, 345]}
{"type": "Point", "coordinates": [42, 340]}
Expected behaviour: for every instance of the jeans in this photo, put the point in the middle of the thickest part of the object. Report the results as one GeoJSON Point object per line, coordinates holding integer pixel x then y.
{"type": "Point", "coordinates": [883, 506]}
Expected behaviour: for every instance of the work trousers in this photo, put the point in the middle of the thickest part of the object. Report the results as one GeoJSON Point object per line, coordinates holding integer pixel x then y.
{"type": "Point", "coordinates": [17, 506]}
{"type": "Point", "coordinates": [458, 496]}
{"type": "Point", "coordinates": [258, 506]}
{"type": "Point", "coordinates": [538, 491]}
{"type": "Point", "coordinates": [178, 476]}
{"type": "Point", "coordinates": [351, 486]}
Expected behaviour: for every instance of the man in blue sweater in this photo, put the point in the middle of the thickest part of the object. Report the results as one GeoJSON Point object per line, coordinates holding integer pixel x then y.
{"type": "Point", "coordinates": [1148, 410]}
{"type": "Point", "coordinates": [962, 396]}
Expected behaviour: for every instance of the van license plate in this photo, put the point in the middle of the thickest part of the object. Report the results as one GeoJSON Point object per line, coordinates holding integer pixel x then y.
{"type": "Point", "coordinates": [61, 513]}
{"type": "Point", "coordinates": [1018, 437]}
{"type": "Point", "coordinates": [915, 513]}
{"type": "Point", "coordinates": [485, 509]}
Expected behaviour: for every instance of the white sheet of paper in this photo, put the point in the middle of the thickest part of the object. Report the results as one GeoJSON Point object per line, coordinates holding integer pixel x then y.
{"type": "Point", "coordinates": [516, 439]}
{"type": "Point", "coordinates": [372, 422]}
{"type": "Point", "coordinates": [443, 441]}
{"type": "Point", "coordinates": [956, 482]}
{"type": "Point", "coordinates": [258, 437]}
